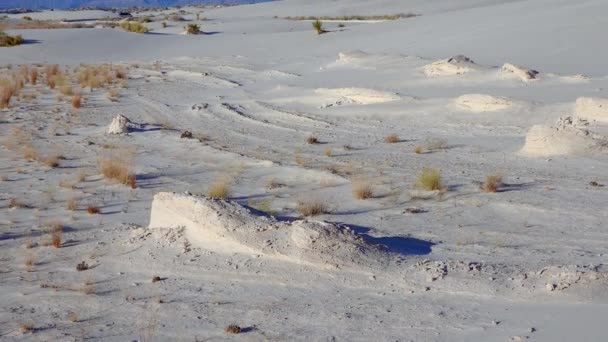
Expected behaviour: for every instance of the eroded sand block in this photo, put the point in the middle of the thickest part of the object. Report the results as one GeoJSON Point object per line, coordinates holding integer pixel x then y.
{"type": "Point", "coordinates": [592, 108]}
{"type": "Point", "coordinates": [568, 137]}
{"type": "Point", "coordinates": [227, 227]}
{"type": "Point", "coordinates": [456, 65]}
{"type": "Point", "coordinates": [361, 96]}
{"type": "Point", "coordinates": [121, 124]}
{"type": "Point", "coordinates": [482, 103]}
{"type": "Point", "coordinates": [511, 70]}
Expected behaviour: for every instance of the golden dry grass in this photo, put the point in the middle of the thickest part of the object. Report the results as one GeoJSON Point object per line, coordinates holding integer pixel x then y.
{"type": "Point", "coordinates": [118, 166]}
{"type": "Point", "coordinates": [26, 327]}
{"type": "Point", "coordinates": [492, 183]}
{"type": "Point", "coordinates": [73, 317]}
{"type": "Point", "coordinates": [76, 101]}
{"type": "Point", "coordinates": [56, 231]}
{"type": "Point", "coordinates": [6, 93]}
{"type": "Point", "coordinates": [362, 190]}
{"type": "Point", "coordinates": [30, 153]}
{"type": "Point", "coordinates": [430, 179]}
{"type": "Point", "coordinates": [51, 160]}
{"type": "Point", "coordinates": [312, 140]}
{"type": "Point", "coordinates": [71, 204]}
{"type": "Point", "coordinates": [419, 149]}
{"type": "Point", "coordinates": [233, 329]}
{"type": "Point", "coordinates": [220, 188]}
{"type": "Point", "coordinates": [92, 210]}
{"type": "Point", "coordinates": [391, 139]}
{"type": "Point", "coordinates": [328, 152]}
{"type": "Point", "coordinates": [312, 207]}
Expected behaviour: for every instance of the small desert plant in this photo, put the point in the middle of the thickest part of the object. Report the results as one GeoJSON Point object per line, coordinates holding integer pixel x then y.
{"type": "Point", "coordinates": [56, 231]}
{"type": "Point", "coordinates": [82, 266]}
{"type": "Point", "coordinates": [156, 279]}
{"type": "Point", "coordinates": [6, 92]}
{"type": "Point", "coordinates": [29, 262]}
{"type": "Point", "coordinates": [193, 29]}
{"type": "Point", "coordinates": [341, 25]}
{"type": "Point", "coordinates": [71, 204]}
{"type": "Point", "coordinates": [429, 179]}
{"type": "Point", "coordinates": [133, 27]}
{"type": "Point", "coordinates": [233, 329]}
{"type": "Point", "coordinates": [34, 76]}
{"type": "Point", "coordinates": [492, 183]}
{"type": "Point", "coordinates": [28, 18]}
{"type": "Point", "coordinates": [164, 24]}
{"type": "Point", "coordinates": [220, 188]}
{"type": "Point", "coordinates": [8, 41]}
{"type": "Point", "coordinates": [418, 149]}
{"type": "Point", "coordinates": [93, 210]}
{"type": "Point", "coordinates": [311, 207]}
{"type": "Point", "coordinates": [391, 139]}
{"type": "Point", "coordinates": [317, 25]}
{"type": "Point", "coordinates": [88, 287]}
{"type": "Point", "coordinates": [436, 144]}
{"type": "Point", "coordinates": [362, 190]}
{"type": "Point", "coordinates": [112, 95]}
{"type": "Point", "coordinates": [312, 140]}
{"type": "Point", "coordinates": [15, 203]}
{"type": "Point", "coordinates": [73, 317]}
{"type": "Point", "coordinates": [26, 327]}
{"type": "Point", "coordinates": [76, 101]}
{"type": "Point", "coordinates": [117, 166]}
{"type": "Point", "coordinates": [51, 160]}
{"type": "Point", "coordinates": [327, 152]}
{"type": "Point", "coordinates": [30, 153]}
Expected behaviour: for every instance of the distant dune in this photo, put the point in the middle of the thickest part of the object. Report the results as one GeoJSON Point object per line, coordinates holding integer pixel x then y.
{"type": "Point", "coordinates": [48, 4]}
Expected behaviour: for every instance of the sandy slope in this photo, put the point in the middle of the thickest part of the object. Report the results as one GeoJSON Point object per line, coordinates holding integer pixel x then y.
{"type": "Point", "coordinates": [528, 262]}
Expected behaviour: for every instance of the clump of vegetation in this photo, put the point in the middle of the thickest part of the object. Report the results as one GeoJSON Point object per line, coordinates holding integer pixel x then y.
{"type": "Point", "coordinates": [131, 26]}
{"type": "Point", "coordinates": [118, 166]}
{"type": "Point", "coordinates": [82, 266]}
{"type": "Point", "coordinates": [93, 210]}
{"type": "Point", "coordinates": [28, 18]}
{"type": "Point", "coordinates": [233, 329]}
{"type": "Point", "coordinates": [6, 93]}
{"type": "Point", "coordinates": [492, 183]}
{"type": "Point", "coordinates": [76, 101]}
{"type": "Point", "coordinates": [436, 144]}
{"type": "Point", "coordinates": [312, 140]}
{"type": "Point", "coordinates": [328, 152]}
{"type": "Point", "coordinates": [419, 149]}
{"type": "Point", "coordinates": [430, 179]}
{"type": "Point", "coordinates": [317, 25]}
{"type": "Point", "coordinates": [391, 139]}
{"type": "Point", "coordinates": [220, 188]}
{"type": "Point", "coordinates": [8, 41]}
{"type": "Point", "coordinates": [362, 190]}
{"type": "Point", "coordinates": [312, 207]}
{"type": "Point", "coordinates": [193, 29]}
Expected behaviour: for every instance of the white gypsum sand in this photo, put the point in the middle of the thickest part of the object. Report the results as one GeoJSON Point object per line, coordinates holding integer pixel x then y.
{"type": "Point", "coordinates": [454, 198]}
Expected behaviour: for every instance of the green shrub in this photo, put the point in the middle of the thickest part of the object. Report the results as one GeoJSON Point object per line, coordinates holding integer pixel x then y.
{"type": "Point", "coordinates": [133, 27]}
{"type": "Point", "coordinates": [6, 40]}
{"type": "Point", "coordinates": [27, 18]}
{"type": "Point", "coordinates": [318, 26]}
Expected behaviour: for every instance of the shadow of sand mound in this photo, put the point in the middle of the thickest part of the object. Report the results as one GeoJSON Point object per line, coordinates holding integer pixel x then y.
{"type": "Point", "coordinates": [228, 227]}
{"type": "Point", "coordinates": [456, 65]}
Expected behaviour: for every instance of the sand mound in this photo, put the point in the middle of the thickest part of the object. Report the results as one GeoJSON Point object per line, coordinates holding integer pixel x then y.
{"type": "Point", "coordinates": [361, 96]}
{"type": "Point", "coordinates": [568, 137]}
{"type": "Point", "coordinates": [591, 108]}
{"type": "Point", "coordinates": [227, 227]}
{"type": "Point", "coordinates": [456, 65]}
{"type": "Point", "coordinates": [121, 124]}
{"type": "Point", "coordinates": [482, 103]}
{"type": "Point", "coordinates": [510, 70]}
{"type": "Point", "coordinates": [353, 57]}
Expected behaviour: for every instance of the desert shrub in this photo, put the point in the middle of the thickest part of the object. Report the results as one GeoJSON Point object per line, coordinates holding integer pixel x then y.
{"type": "Point", "coordinates": [28, 18]}
{"type": "Point", "coordinates": [362, 190]}
{"type": "Point", "coordinates": [118, 166]}
{"type": "Point", "coordinates": [233, 329]}
{"type": "Point", "coordinates": [220, 188]}
{"type": "Point", "coordinates": [133, 27]}
{"type": "Point", "coordinates": [34, 76]}
{"type": "Point", "coordinates": [312, 207]}
{"type": "Point", "coordinates": [418, 149]}
{"type": "Point", "coordinates": [6, 93]}
{"type": "Point", "coordinates": [164, 24]}
{"type": "Point", "coordinates": [436, 144]}
{"type": "Point", "coordinates": [71, 204]}
{"type": "Point", "coordinates": [429, 179]}
{"type": "Point", "coordinates": [317, 25]}
{"type": "Point", "coordinates": [76, 101]}
{"type": "Point", "coordinates": [93, 210]}
{"type": "Point", "coordinates": [193, 29]}
{"type": "Point", "coordinates": [391, 139]}
{"type": "Point", "coordinates": [328, 152]}
{"type": "Point", "coordinates": [312, 140]}
{"type": "Point", "coordinates": [8, 41]}
{"type": "Point", "coordinates": [492, 183]}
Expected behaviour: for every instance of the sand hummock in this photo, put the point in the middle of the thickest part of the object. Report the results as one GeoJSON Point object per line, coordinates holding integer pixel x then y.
{"type": "Point", "coordinates": [482, 103]}
{"type": "Point", "coordinates": [226, 227]}
{"type": "Point", "coordinates": [524, 74]}
{"type": "Point", "coordinates": [455, 65]}
{"type": "Point", "coordinates": [569, 136]}
{"type": "Point", "coordinates": [359, 96]}
{"type": "Point", "coordinates": [592, 108]}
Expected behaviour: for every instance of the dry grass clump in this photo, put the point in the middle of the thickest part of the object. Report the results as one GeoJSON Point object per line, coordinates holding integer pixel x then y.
{"type": "Point", "coordinates": [312, 207]}
{"type": "Point", "coordinates": [26, 327]}
{"type": "Point", "coordinates": [6, 92]}
{"type": "Point", "coordinates": [436, 144]}
{"type": "Point", "coordinates": [391, 139]}
{"type": "Point", "coordinates": [418, 149]}
{"type": "Point", "coordinates": [362, 190]}
{"type": "Point", "coordinates": [193, 29]}
{"type": "Point", "coordinates": [492, 183]}
{"type": "Point", "coordinates": [82, 266]}
{"type": "Point", "coordinates": [15, 203]}
{"type": "Point", "coordinates": [233, 329]}
{"type": "Point", "coordinates": [131, 26]}
{"type": "Point", "coordinates": [93, 210]}
{"type": "Point", "coordinates": [29, 262]}
{"type": "Point", "coordinates": [312, 140]}
{"type": "Point", "coordinates": [30, 153]}
{"type": "Point", "coordinates": [118, 166]}
{"type": "Point", "coordinates": [9, 41]}
{"type": "Point", "coordinates": [71, 204]}
{"type": "Point", "coordinates": [328, 152]}
{"type": "Point", "coordinates": [73, 317]}
{"type": "Point", "coordinates": [88, 287]}
{"type": "Point", "coordinates": [34, 76]}
{"type": "Point", "coordinates": [429, 179]}
{"type": "Point", "coordinates": [112, 95]}
{"type": "Point", "coordinates": [220, 188]}
{"type": "Point", "coordinates": [55, 229]}
{"type": "Point", "coordinates": [76, 101]}
{"type": "Point", "coordinates": [51, 160]}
